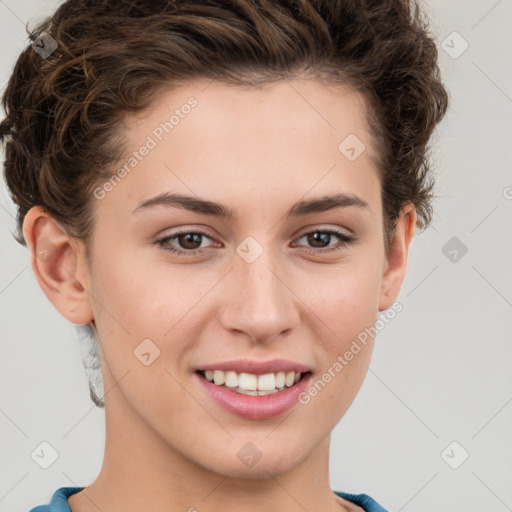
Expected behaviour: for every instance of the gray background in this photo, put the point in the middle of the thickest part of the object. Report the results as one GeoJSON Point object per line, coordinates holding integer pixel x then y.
{"type": "Point", "coordinates": [441, 370]}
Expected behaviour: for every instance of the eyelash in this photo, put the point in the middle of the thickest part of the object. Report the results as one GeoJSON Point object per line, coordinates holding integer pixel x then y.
{"type": "Point", "coordinates": [345, 240]}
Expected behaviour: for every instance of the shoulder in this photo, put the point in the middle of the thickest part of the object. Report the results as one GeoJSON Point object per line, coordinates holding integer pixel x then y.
{"type": "Point", "coordinates": [367, 503]}
{"type": "Point", "coordinates": [59, 501]}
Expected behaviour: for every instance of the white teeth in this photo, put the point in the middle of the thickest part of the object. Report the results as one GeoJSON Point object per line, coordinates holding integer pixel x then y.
{"type": "Point", "coordinates": [231, 380]}
{"type": "Point", "coordinates": [267, 382]}
{"type": "Point", "coordinates": [218, 377]}
{"type": "Point", "coordinates": [290, 379]}
{"type": "Point", "coordinates": [248, 381]}
{"type": "Point", "coordinates": [250, 384]}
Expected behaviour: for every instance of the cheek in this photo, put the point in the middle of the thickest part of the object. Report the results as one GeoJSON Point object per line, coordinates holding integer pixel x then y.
{"type": "Point", "coordinates": [135, 301]}
{"type": "Point", "coordinates": [129, 289]}
{"type": "Point", "coordinates": [346, 297]}
{"type": "Point", "coordinates": [347, 304]}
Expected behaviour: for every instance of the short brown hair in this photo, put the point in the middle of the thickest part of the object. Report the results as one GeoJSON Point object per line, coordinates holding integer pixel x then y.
{"type": "Point", "coordinates": [63, 112]}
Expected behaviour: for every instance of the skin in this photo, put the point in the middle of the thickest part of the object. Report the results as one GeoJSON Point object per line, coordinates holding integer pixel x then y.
{"type": "Point", "coordinates": [257, 151]}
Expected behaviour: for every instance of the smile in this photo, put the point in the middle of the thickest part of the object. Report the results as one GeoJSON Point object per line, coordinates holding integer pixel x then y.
{"type": "Point", "coordinates": [251, 384]}
{"type": "Point", "coordinates": [228, 390]}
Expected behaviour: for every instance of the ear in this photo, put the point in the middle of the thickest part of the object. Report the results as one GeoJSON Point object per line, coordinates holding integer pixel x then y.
{"type": "Point", "coordinates": [396, 260]}
{"type": "Point", "coordinates": [59, 264]}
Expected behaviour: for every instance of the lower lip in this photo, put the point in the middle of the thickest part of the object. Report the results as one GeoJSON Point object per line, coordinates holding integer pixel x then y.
{"type": "Point", "coordinates": [255, 407]}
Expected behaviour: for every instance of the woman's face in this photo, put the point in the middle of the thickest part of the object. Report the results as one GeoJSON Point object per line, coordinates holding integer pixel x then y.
{"type": "Point", "coordinates": [262, 285]}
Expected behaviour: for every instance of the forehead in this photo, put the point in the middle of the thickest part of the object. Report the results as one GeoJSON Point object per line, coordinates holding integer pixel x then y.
{"type": "Point", "coordinates": [280, 113]}
{"type": "Point", "coordinates": [251, 143]}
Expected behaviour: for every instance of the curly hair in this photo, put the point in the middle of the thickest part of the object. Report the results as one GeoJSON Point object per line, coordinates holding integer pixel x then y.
{"type": "Point", "coordinates": [64, 112]}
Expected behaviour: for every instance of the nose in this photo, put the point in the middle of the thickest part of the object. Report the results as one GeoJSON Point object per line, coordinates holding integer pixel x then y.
{"type": "Point", "coordinates": [260, 302]}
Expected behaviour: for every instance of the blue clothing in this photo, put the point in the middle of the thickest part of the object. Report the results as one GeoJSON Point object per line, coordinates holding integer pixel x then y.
{"type": "Point", "coordinates": [363, 500]}
{"type": "Point", "coordinates": [59, 502]}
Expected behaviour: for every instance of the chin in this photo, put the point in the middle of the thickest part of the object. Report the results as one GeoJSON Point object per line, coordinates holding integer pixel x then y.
{"type": "Point", "coordinates": [254, 464]}
{"type": "Point", "coordinates": [262, 470]}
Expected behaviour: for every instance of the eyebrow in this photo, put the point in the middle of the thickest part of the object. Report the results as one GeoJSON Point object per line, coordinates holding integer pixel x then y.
{"type": "Point", "coordinates": [197, 205]}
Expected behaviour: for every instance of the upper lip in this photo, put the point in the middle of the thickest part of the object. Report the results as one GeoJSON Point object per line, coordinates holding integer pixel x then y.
{"type": "Point", "coordinates": [257, 367]}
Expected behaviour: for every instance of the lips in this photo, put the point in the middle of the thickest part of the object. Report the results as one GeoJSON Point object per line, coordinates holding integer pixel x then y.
{"type": "Point", "coordinates": [257, 367]}
{"type": "Point", "coordinates": [264, 389]}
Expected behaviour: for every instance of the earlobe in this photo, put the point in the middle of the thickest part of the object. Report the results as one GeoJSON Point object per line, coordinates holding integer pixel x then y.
{"type": "Point", "coordinates": [396, 260]}
{"type": "Point", "coordinates": [56, 263]}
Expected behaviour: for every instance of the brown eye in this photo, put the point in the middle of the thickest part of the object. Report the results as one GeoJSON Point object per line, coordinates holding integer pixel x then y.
{"type": "Point", "coordinates": [186, 242]}
{"type": "Point", "coordinates": [321, 238]}
{"type": "Point", "coordinates": [189, 240]}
